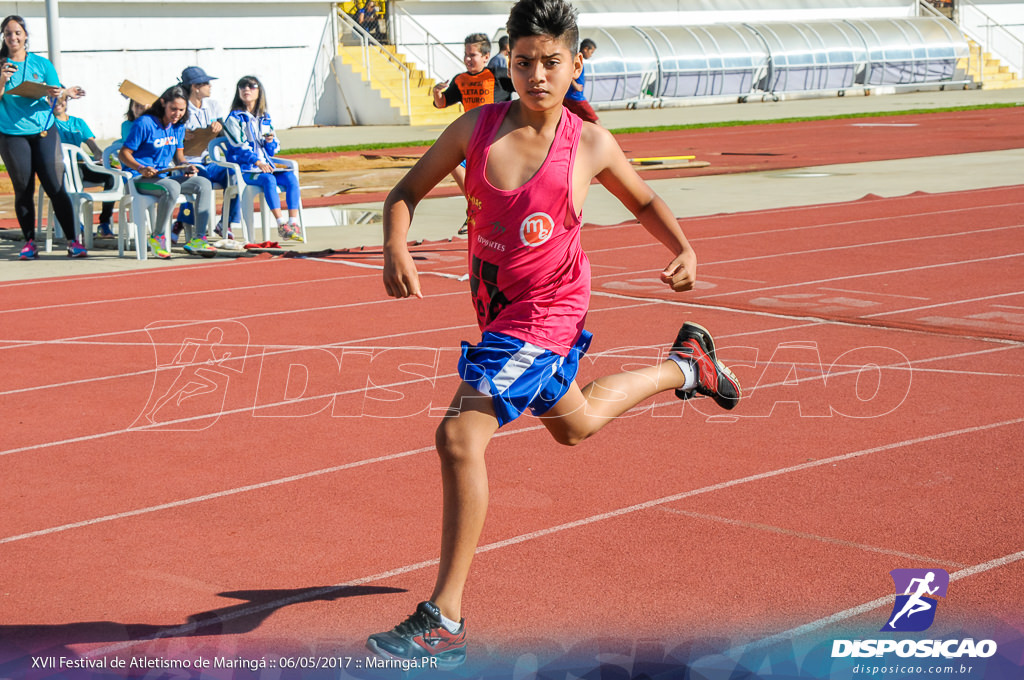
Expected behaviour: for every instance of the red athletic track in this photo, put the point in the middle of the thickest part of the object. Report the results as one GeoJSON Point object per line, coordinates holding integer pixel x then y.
{"type": "Point", "coordinates": [212, 528]}
{"type": "Point", "coordinates": [750, 148]}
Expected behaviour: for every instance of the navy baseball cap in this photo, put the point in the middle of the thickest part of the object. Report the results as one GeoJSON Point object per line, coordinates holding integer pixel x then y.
{"type": "Point", "coordinates": [193, 75]}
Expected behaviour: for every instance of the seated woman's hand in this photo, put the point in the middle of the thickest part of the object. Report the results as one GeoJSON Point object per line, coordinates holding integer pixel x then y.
{"type": "Point", "coordinates": [264, 167]}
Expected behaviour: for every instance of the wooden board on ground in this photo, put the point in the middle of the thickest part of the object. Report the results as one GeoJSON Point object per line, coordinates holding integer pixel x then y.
{"type": "Point", "coordinates": [672, 165]}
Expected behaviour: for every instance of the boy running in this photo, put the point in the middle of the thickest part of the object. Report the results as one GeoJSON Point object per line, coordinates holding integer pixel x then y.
{"type": "Point", "coordinates": [530, 163]}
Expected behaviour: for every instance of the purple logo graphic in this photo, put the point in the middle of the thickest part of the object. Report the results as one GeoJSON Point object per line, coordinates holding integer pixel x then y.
{"type": "Point", "coordinates": [914, 609]}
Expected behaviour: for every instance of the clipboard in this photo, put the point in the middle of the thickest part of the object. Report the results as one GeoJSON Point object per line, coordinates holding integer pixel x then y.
{"type": "Point", "coordinates": [174, 168]}
{"type": "Point", "coordinates": [31, 90]}
{"type": "Point", "coordinates": [137, 93]}
{"type": "Point", "coordinates": [196, 141]}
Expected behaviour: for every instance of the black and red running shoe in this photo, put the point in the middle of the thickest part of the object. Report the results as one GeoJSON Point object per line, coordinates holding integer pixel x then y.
{"type": "Point", "coordinates": [714, 379]}
{"type": "Point", "coordinates": [422, 637]}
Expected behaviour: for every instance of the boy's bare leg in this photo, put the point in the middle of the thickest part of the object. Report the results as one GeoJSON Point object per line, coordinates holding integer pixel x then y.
{"type": "Point", "coordinates": [461, 439]}
{"type": "Point", "coordinates": [582, 412]}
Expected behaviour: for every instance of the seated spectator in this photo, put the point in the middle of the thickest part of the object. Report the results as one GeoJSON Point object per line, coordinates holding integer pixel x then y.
{"type": "Point", "coordinates": [252, 145]}
{"type": "Point", "coordinates": [75, 131]}
{"type": "Point", "coordinates": [369, 18]}
{"type": "Point", "coordinates": [135, 109]}
{"type": "Point", "coordinates": [204, 114]}
{"type": "Point", "coordinates": [154, 146]}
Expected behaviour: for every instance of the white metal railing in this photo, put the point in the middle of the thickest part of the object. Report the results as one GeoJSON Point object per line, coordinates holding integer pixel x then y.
{"type": "Point", "coordinates": [368, 46]}
{"type": "Point", "coordinates": [927, 9]}
{"type": "Point", "coordinates": [993, 36]}
{"type": "Point", "coordinates": [425, 48]}
{"type": "Point", "coordinates": [321, 69]}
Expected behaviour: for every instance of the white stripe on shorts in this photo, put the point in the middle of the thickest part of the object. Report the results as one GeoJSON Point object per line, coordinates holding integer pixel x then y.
{"type": "Point", "coordinates": [516, 365]}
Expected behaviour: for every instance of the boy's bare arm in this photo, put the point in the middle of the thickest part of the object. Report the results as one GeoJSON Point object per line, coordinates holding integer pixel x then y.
{"type": "Point", "coordinates": [400, 277]}
{"type": "Point", "coordinates": [613, 170]}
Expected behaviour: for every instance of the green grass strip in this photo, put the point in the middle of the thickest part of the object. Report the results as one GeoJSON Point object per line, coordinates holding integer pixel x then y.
{"type": "Point", "coordinates": [668, 128]}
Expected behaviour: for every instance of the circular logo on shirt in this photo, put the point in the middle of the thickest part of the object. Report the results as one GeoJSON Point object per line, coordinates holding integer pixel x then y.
{"type": "Point", "coordinates": [536, 229]}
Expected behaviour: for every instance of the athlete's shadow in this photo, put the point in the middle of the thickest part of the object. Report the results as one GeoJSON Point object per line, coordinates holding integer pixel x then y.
{"type": "Point", "coordinates": [20, 642]}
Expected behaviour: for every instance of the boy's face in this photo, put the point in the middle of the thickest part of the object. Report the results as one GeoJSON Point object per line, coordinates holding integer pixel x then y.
{"type": "Point", "coordinates": [542, 69]}
{"type": "Point", "coordinates": [474, 59]}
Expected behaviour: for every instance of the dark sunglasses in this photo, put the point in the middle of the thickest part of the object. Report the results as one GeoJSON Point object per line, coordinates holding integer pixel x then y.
{"type": "Point", "coordinates": [249, 85]}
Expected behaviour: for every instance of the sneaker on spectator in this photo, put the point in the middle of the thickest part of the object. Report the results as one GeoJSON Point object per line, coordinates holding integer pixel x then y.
{"type": "Point", "coordinates": [76, 249]}
{"type": "Point", "coordinates": [156, 244]}
{"type": "Point", "coordinates": [199, 246]}
{"type": "Point", "coordinates": [104, 230]}
{"type": "Point", "coordinates": [284, 231]}
{"type": "Point", "coordinates": [296, 234]}
{"type": "Point", "coordinates": [28, 251]}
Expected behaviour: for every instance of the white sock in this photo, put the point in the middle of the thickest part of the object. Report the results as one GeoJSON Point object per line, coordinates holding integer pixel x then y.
{"type": "Point", "coordinates": [689, 371]}
{"type": "Point", "coordinates": [281, 221]}
{"type": "Point", "coordinates": [449, 625]}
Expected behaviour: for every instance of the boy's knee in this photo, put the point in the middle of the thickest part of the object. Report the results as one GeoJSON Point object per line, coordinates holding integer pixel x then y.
{"type": "Point", "coordinates": [453, 443]}
{"type": "Point", "coordinates": [570, 437]}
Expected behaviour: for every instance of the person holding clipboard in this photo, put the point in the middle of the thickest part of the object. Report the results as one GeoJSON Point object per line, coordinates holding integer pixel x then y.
{"type": "Point", "coordinates": [29, 141]}
{"type": "Point", "coordinates": [154, 152]}
{"type": "Point", "coordinates": [252, 145]}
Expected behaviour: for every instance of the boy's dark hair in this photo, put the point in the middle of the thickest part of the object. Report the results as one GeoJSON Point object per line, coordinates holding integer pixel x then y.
{"type": "Point", "coordinates": [159, 107]}
{"type": "Point", "coordinates": [587, 42]}
{"type": "Point", "coordinates": [503, 43]}
{"type": "Point", "coordinates": [555, 18]}
{"type": "Point", "coordinates": [480, 39]}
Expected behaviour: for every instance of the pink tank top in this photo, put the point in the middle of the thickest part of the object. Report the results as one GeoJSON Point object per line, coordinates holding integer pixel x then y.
{"type": "Point", "coordinates": [528, 274]}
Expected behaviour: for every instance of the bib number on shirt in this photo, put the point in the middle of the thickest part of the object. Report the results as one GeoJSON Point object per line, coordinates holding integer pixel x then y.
{"type": "Point", "coordinates": [489, 305]}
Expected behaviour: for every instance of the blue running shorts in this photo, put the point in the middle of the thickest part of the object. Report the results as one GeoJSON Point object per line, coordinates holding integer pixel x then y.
{"type": "Point", "coordinates": [518, 375]}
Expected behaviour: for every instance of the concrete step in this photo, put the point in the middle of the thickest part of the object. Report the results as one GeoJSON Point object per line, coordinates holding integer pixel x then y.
{"type": "Point", "coordinates": [1001, 84]}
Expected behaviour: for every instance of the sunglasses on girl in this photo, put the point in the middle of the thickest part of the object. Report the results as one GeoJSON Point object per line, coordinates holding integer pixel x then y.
{"type": "Point", "coordinates": [249, 85]}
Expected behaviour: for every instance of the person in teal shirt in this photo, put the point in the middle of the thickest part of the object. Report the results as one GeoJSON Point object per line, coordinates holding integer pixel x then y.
{"type": "Point", "coordinates": [29, 142]}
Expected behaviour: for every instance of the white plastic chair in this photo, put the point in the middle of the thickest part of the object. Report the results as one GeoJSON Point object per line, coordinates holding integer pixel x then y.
{"type": "Point", "coordinates": [76, 189]}
{"type": "Point", "coordinates": [250, 194]}
{"type": "Point", "coordinates": [233, 189]}
{"type": "Point", "coordinates": [136, 215]}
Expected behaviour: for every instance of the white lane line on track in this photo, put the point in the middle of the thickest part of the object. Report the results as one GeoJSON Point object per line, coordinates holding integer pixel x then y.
{"type": "Point", "coordinates": [188, 628]}
{"type": "Point", "coordinates": [276, 349]}
{"type": "Point", "coordinates": [812, 537]}
{"type": "Point", "coordinates": [864, 275]}
{"type": "Point", "coordinates": [250, 409]}
{"type": "Point", "coordinates": [175, 294]}
{"type": "Point", "coordinates": [973, 210]}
